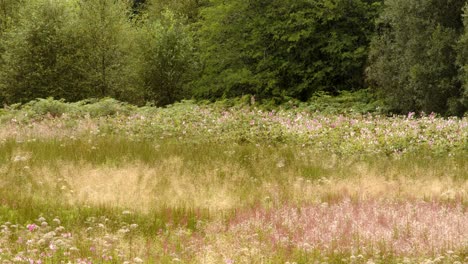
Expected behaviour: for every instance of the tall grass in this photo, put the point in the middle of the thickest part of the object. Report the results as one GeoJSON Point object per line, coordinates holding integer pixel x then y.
{"type": "Point", "coordinates": [139, 187]}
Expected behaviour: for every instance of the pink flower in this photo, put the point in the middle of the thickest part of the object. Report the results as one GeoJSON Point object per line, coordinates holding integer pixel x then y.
{"type": "Point", "coordinates": [31, 227]}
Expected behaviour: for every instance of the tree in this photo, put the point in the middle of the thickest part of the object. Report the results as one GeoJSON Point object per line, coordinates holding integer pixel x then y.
{"type": "Point", "coordinates": [165, 58]}
{"type": "Point", "coordinates": [463, 62]}
{"type": "Point", "coordinates": [413, 57]}
{"type": "Point", "coordinates": [186, 9]}
{"type": "Point", "coordinates": [8, 14]}
{"type": "Point", "coordinates": [40, 55]}
{"type": "Point", "coordinates": [106, 36]}
{"type": "Point", "coordinates": [278, 48]}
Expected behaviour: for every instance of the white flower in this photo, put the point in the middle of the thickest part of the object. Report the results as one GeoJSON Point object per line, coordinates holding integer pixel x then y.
{"type": "Point", "coordinates": [19, 158]}
{"type": "Point", "coordinates": [52, 247]}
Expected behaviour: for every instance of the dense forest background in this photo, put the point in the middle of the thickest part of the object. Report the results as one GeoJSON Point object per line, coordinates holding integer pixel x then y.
{"type": "Point", "coordinates": [412, 55]}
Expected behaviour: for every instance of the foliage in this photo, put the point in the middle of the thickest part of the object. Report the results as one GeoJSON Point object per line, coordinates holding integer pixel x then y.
{"type": "Point", "coordinates": [107, 38]}
{"type": "Point", "coordinates": [186, 9]}
{"type": "Point", "coordinates": [350, 133]}
{"type": "Point", "coordinates": [7, 18]}
{"type": "Point", "coordinates": [276, 52]}
{"type": "Point", "coordinates": [165, 59]}
{"type": "Point", "coordinates": [463, 59]}
{"type": "Point", "coordinates": [49, 107]}
{"type": "Point", "coordinates": [68, 50]}
{"type": "Point", "coordinates": [8, 13]}
{"type": "Point", "coordinates": [361, 102]}
{"type": "Point", "coordinates": [41, 56]}
{"type": "Point", "coordinates": [413, 57]}
{"type": "Point", "coordinates": [283, 48]}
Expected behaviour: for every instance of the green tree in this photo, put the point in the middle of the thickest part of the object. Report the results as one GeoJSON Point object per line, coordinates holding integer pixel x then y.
{"type": "Point", "coordinates": [187, 9]}
{"type": "Point", "coordinates": [277, 48]}
{"type": "Point", "coordinates": [8, 12]}
{"type": "Point", "coordinates": [40, 55]}
{"type": "Point", "coordinates": [463, 61]}
{"type": "Point", "coordinates": [413, 57]}
{"type": "Point", "coordinates": [165, 59]}
{"type": "Point", "coordinates": [106, 37]}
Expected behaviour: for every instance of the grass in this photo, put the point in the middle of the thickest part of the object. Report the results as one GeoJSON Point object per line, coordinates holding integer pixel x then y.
{"type": "Point", "coordinates": [203, 184]}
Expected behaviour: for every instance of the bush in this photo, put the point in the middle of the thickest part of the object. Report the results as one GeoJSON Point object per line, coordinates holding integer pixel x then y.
{"type": "Point", "coordinates": [361, 102]}
{"type": "Point", "coordinates": [49, 106]}
{"type": "Point", "coordinates": [106, 107]}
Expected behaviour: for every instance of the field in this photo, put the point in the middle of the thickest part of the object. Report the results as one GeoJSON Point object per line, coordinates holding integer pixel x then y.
{"type": "Point", "coordinates": [105, 182]}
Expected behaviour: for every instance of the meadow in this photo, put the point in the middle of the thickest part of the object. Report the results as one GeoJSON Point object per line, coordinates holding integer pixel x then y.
{"type": "Point", "coordinates": [107, 182]}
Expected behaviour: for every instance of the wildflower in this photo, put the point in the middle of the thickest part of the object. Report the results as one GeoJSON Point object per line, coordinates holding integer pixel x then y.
{"type": "Point", "coordinates": [123, 230]}
{"type": "Point", "coordinates": [280, 164]}
{"type": "Point", "coordinates": [138, 260]}
{"type": "Point", "coordinates": [19, 158]}
{"type": "Point", "coordinates": [73, 249]}
{"type": "Point", "coordinates": [52, 247]}
{"type": "Point", "coordinates": [32, 227]}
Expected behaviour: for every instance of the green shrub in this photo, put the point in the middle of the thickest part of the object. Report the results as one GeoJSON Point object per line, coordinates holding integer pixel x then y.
{"type": "Point", "coordinates": [107, 107]}
{"type": "Point", "coordinates": [49, 106]}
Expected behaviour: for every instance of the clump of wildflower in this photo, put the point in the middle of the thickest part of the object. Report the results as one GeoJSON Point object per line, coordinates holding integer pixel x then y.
{"type": "Point", "coordinates": [32, 227]}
